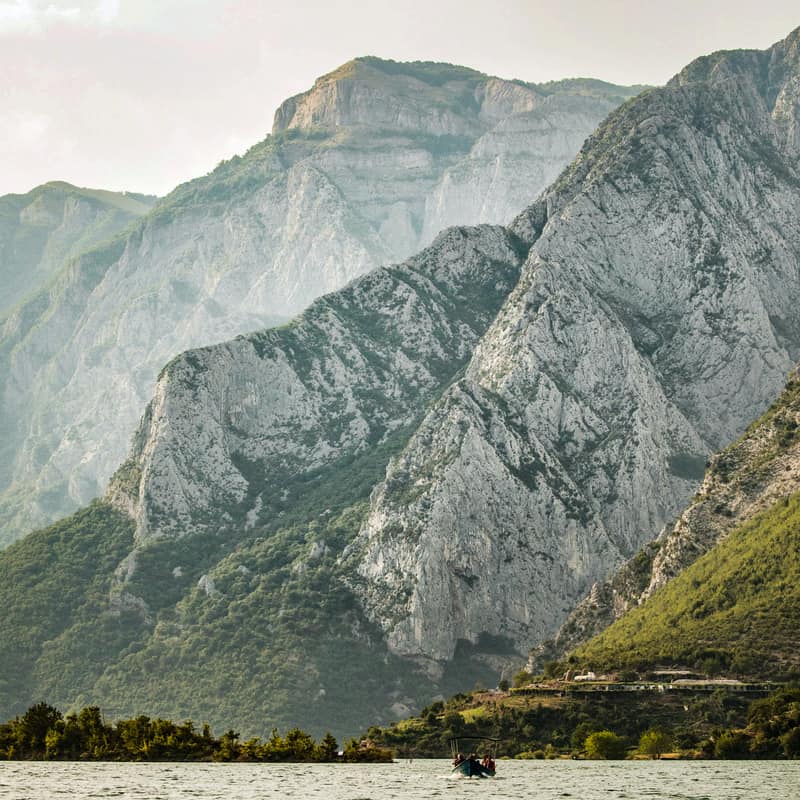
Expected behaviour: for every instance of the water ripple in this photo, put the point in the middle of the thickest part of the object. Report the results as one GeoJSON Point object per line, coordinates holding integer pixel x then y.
{"type": "Point", "coordinates": [420, 780]}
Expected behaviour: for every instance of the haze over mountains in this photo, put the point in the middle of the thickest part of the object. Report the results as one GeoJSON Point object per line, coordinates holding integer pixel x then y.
{"type": "Point", "coordinates": [41, 230]}
{"type": "Point", "coordinates": [406, 487]}
{"type": "Point", "coordinates": [361, 170]}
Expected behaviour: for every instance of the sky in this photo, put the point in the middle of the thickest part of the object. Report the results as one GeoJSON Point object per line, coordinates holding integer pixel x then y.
{"type": "Point", "coordinates": [141, 95]}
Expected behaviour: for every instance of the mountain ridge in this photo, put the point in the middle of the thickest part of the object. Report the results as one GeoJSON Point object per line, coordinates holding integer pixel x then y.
{"type": "Point", "coordinates": [247, 246]}
{"type": "Point", "coordinates": [431, 529]}
{"type": "Point", "coordinates": [611, 384]}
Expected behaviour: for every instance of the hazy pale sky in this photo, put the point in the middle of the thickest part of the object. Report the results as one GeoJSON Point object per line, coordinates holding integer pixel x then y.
{"type": "Point", "coordinates": [144, 94]}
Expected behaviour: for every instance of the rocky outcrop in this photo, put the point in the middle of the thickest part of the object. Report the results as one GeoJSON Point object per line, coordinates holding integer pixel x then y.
{"type": "Point", "coordinates": [359, 171]}
{"type": "Point", "coordinates": [656, 316]}
{"type": "Point", "coordinates": [746, 478]}
{"type": "Point", "coordinates": [233, 429]}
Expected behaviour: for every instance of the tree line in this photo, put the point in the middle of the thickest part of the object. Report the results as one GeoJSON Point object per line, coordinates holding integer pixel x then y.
{"type": "Point", "coordinates": [44, 733]}
{"type": "Point", "coordinates": [720, 725]}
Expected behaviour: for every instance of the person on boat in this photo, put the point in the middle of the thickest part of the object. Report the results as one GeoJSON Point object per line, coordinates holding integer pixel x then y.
{"type": "Point", "coordinates": [459, 759]}
{"type": "Point", "coordinates": [474, 764]}
{"type": "Point", "coordinates": [488, 763]}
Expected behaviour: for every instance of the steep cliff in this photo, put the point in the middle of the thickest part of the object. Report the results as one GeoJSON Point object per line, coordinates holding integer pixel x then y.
{"type": "Point", "coordinates": [657, 314]}
{"type": "Point", "coordinates": [351, 178]}
{"type": "Point", "coordinates": [747, 478]}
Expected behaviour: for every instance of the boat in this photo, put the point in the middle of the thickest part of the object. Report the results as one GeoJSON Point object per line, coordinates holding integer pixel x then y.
{"type": "Point", "coordinates": [469, 765]}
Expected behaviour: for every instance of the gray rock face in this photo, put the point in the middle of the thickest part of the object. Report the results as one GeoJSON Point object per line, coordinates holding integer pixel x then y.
{"type": "Point", "coordinates": [743, 480]}
{"type": "Point", "coordinates": [232, 428]}
{"type": "Point", "coordinates": [359, 172]}
{"type": "Point", "coordinates": [521, 151]}
{"type": "Point", "coordinates": [657, 314]}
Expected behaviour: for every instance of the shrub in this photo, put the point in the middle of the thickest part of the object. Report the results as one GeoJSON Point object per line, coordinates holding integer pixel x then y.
{"type": "Point", "coordinates": [604, 745]}
{"type": "Point", "coordinates": [654, 743]}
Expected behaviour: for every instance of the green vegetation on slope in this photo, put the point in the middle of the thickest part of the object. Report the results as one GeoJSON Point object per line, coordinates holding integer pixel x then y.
{"type": "Point", "coordinates": [55, 580]}
{"type": "Point", "coordinates": [434, 73]}
{"type": "Point", "coordinates": [735, 609]}
{"type": "Point", "coordinates": [600, 724]}
{"type": "Point", "coordinates": [278, 641]}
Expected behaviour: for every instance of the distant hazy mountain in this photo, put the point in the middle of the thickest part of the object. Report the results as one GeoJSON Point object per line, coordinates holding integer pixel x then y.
{"type": "Point", "coordinates": [361, 170]}
{"type": "Point", "coordinates": [40, 230]}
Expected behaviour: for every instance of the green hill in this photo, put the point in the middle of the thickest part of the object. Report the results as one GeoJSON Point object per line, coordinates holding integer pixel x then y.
{"type": "Point", "coordinates": [735, 609]}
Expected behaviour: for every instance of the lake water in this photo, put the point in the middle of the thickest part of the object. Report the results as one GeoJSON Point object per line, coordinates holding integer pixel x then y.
{"type": "Point", "coordinates": [423, 779]}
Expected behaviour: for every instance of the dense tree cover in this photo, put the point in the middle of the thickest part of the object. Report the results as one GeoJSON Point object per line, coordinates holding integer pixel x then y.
{"type": "Point", "coordinates": [67, 567]}
{"type": "Point", "coordinates": [736, 609]}
{"type": "Point", "coordinates": [720, 724]}
{"type": "Point", "coordinates": [42, 732]}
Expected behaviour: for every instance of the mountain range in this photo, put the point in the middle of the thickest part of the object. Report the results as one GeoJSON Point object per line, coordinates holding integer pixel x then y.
{"type": "Point", "coordinates": [402, 490]}
{"type": "Point", "coordinates": [361, 170]}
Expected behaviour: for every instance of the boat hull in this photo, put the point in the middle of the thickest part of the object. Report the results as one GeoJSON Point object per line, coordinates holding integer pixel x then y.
{"type": "Point", "coordinates": [473, 769]}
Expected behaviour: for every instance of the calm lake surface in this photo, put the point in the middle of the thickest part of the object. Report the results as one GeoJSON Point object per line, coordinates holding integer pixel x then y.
{"type": "Point", "coordinates": [532, 780]}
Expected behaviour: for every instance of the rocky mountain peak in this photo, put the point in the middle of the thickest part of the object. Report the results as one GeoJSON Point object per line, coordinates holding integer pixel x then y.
{"type": "Point", "coordinates": [771, 73]}
{"type": "Point", "coordinates": [646, 331]}
{"type": "Point", "coordinates": [420, 97]}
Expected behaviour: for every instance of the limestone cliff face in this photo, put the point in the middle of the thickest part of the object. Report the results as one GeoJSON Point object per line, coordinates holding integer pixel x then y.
{"type": "Point", "coordinates": [520, 151]}
{"type": "Point", "coordinates": [656, 315]}
{"type": "Point", "coordinates": [746, 478]}
{"type": "Point", "coordinates": [482, 147]}
{"type": "Point", "coordinates": [233, 428]}
{"type": "Point", "coordinates": [342, 186]}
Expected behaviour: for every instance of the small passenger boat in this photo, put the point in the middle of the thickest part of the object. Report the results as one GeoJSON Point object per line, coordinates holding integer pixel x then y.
{"type": "Point", "coordinates": [469, 765]}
